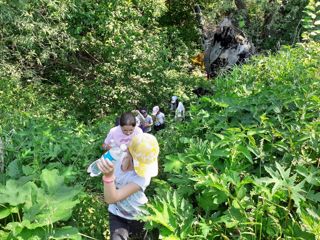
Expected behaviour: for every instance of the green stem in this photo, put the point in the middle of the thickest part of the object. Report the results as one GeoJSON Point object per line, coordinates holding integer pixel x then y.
{"type": "Point", "coordinates": [289, 207]}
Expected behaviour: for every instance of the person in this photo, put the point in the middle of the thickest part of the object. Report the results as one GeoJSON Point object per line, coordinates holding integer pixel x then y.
{"type": "Point", "coordinates": [180, 112]}
{"type": "Point", "coordinates": [159, 118]}
{"type": "Point", "coordinates": [139, 118]}
{"type": "Point", "coordinates": [124, 185]}
{"type": "Point", "coordinates": [122, 133]}
{"type": "Point", "coordinates": [173, 104]}
{"type": "Point", "coordinates": [148, 122]}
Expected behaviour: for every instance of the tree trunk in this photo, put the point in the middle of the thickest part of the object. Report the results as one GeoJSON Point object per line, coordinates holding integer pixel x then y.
{"type": "Point", "coordinates": [241, 5]}
{"type": "Point", "coordinates": [268, 15]}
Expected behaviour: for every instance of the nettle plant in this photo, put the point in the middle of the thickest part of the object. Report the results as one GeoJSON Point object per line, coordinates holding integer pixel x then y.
{"type": "Point", "coordinates": [37, 210]}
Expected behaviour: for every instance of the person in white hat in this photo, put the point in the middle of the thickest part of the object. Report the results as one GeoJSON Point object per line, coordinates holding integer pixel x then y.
{"type": "Point", "coordinates": [124, 185]}
{"type": "Point", "coordinates": [159, 118]}
{"type": "Point", "coordinates": [173, 104]}
{"type": "Point", "coordinates": [180, 112]}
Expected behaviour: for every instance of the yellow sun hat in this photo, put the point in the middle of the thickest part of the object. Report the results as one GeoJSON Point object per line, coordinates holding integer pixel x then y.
{"type": "Point", "coordinates": [144, 149]}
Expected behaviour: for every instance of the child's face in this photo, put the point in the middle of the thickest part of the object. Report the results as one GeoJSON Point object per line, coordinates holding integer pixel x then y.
{"type": "Point", "coordinates": [144, 113]}
{"type": "Point", "coordinates": [127, 129]}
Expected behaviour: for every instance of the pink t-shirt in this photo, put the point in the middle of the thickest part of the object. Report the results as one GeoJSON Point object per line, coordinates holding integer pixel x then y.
{"type": "Point", "coordinates": [119, 138]}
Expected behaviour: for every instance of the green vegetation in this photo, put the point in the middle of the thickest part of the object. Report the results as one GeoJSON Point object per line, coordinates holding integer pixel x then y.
{"type": "Point", "coordinates": [250, 169]}
{"type": "Point", "coordinates": [245, 164]}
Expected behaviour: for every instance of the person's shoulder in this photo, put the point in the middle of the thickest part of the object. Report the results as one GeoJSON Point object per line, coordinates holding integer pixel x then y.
{"type": "Point", "coordinates": [142, 182]}
{"type": "Point", "coordinates": [114, 129]}
{"type": "Point", "coordinates": [137, 130]}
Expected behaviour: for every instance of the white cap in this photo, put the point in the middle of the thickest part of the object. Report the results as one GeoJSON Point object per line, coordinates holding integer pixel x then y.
{"type": "Point", "coordinates": [155, 110]}
{"type": "Point", "coordinates": [174, 99]}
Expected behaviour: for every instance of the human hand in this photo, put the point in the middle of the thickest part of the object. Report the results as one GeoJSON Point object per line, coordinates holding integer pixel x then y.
{"type": "Point", "coordinates": [106, 146]}
{"type": "Point", "coordinates": [135, 112]}
{"type": "Point", "coordinates": [127, 163]}
{"type": "Point", "coordinates": [105, 166]}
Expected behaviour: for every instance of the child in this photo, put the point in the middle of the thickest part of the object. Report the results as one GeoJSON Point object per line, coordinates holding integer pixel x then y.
{"type": "Point", "coordinates": [148, 121]}
{"type": "Point", "coordinates": [123, 133]}
{"type": "Point", "coordinates": [159, 118]}
{"type": "Point", "coordinates": [124, 185]}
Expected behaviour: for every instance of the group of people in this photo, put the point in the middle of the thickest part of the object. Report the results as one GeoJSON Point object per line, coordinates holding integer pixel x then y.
{"type": "Point", "coordinates": [156, 120]}
{"type": "Point", "coordinates": [126, 180]}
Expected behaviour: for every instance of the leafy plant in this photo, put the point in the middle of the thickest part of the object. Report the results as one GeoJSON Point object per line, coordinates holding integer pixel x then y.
{"type": "Point", "coordinates": [236, 139]}
{"type": "Point", "coordinates": [311, 21]}
{"type": "Point", "coordinates": [90, 216]}
{"type": "Point", "coordinates": [29, 211]}
{"type": "Point", "coordinates": [171, 214]}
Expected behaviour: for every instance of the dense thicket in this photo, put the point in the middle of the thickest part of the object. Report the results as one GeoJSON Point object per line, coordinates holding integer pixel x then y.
{"type": "Point", "coordinates": [90, 56]}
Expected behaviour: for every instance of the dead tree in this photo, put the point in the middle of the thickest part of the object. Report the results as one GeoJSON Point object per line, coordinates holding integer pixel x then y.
{"type": "Point", "coordinates": [225, 46]}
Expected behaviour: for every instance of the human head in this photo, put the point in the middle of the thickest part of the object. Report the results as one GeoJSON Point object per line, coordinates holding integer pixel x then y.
{"type": "Point", "coordinates": [174, 99]}
{"type": "Point", "coordinates": [155, 110]}
{"type": "Point", "coordinates": [127, 123]}
{"type": "Point", "coordinates": [144, 149]}
{"type": "Point", "coordinates": [144, 112]}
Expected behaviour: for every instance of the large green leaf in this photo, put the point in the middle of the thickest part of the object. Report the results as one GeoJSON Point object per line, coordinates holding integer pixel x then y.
{"type": "Point", "coordinates": [15, 194]}
{"type": "Point", "coordinates": [54, 202]}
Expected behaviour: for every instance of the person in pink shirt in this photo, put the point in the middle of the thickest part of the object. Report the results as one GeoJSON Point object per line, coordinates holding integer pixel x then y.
{"type": "Point", "coordinates": [123, 133]}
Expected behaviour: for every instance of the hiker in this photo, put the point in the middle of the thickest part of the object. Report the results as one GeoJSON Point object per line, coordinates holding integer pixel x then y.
{"type": "Point", "coordinates": [122, 133]}
{"type": "Point", "coordinates": [158, 118]}
{"type": "Point", "coordinates": [124, 185]}
{"type": "Point", "coordinates": [148, 122]}
{"type": "Point", "coordinates": [173, 104]}
{"type": "Point", "coordinates": [180, 112]}
{"type": "Point", "coordinates": [140, 120]}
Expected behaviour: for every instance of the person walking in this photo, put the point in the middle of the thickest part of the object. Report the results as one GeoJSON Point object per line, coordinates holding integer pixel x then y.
{"type": "Point", "coordinates": [124, 186]}
{"type": "Point", "coordinates": [159, 118]}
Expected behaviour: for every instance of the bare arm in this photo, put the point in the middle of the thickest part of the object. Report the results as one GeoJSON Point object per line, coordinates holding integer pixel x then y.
{"type": "Point", "coordinates": [111, 194]}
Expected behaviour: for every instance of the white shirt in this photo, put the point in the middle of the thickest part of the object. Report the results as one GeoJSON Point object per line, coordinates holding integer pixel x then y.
{"type": "Point", "coordinates": [129, 208]}
{"type": "Point", "coordinates": [159, 119]}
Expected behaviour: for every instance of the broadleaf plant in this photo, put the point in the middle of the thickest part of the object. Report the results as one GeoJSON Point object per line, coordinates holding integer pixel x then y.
{"type": "Point", "coordinates": [37, 210]}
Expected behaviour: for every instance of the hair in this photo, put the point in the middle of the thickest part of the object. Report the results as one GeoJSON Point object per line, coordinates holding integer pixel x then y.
{"type": "Point", "coordinates": [143, 109]}
{"type": "Point", "coordinates": [117, 121]}
{"type": "Point", "coordinates": [176, 103]}
{"type": "Point", "coordinates": [127, 118]}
